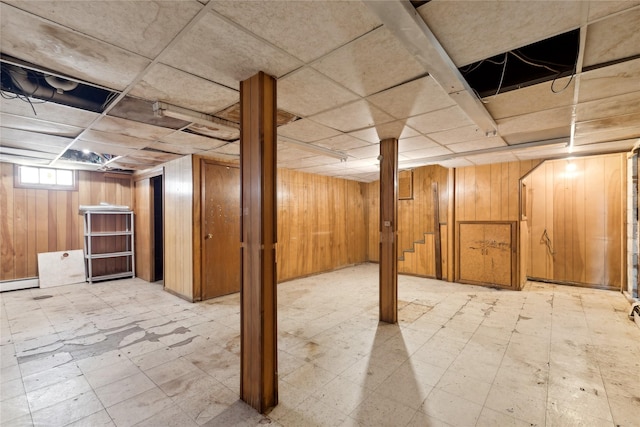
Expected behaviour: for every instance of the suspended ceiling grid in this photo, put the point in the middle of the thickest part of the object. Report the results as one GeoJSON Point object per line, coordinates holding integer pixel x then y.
{"type": "Point", "coordinates": [348, 78]}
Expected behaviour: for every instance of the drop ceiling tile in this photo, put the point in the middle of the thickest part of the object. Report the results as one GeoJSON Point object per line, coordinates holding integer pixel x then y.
{"type": "Point", "coordinates": [341, 143]}
{"type": "Point", "coordinates": [306, 130]}
{"type": "Point", "coordinates": [44, 43]}
{"type": "Point", "coordinates": [532, 122]}
{"type": "Point", "coordinates": [103, 148]}
{"type": "Point", "coordinates": [599, 9]}
{"type": "Point", "coordinates": [486, 159]}
{"type": "Point", "coordinates": [174, 148]}
{"type": "Point", "coordinates": [613, 38]}
{"type": "Point", "coordinates": [155, 155]}
{"type": "Point", "coordinates": [609, 107]}
{"type": "Point", "coordinates": [411, 99]}
{"type": "Point", "coordinates": [370, 64]}
{"type": "Point", "coordinates": [102, 137]}
{"type": "Point", "coordinates": [307, 92]}
{"type": "Point", "coordinates": [478, 144]}
{"type": "Point", "coordinates": [366, 152]}
{"type": "Point", "coordinates": [231, 148]}
{"type": "Point", "coordinates": [229, 158]}
{"type": "Point", "coordinates": [361, 177]}
{"type": "Point", "coordinates": [375, 134]}
{"type": "Point", "coordinates": [141, 27]}
{"type": "Point", "coordinates": [17, 135]}
{"type": "Point", "coordinates": [35, 125]}
{"type": "Point", "coordinates": [608, 81]}
{"type": "Point", "coordinates": [542, 153]}
{"type": "Point", "coordinates": [562, 132]}
{"type": "Point", "coordinates": [307, 162]}
{"type": "Point", "coordinates": [455, 163]}
{"type": "Point", "coordinates": [120, 126]}
{"type": "Point", "coordinates": [427, 152]}
{"type": "Point", "coordinates": [609, 123]}
{"type": "Point", "coordinates": [435, 121]}
{"type": "Point", "coordinates": [191, 140]}
{"type": "Point", "coordinates": [287, 153]}
{"type": "Point", "coordinates": [452, 136]}
{"type": "Point", "coordinates": [473, 30]}
{"type": "Point", "coordinates": [606, 135]}
{"type": "Point", "coordinates": [166, 84]}
{"type": "Point", "coordinates": [25, 153]}
{"type": "Point", "coordinates": [45, 146]}
{"type": "Point", "coordinates": [49, 112]}
{"type": "Point", "coordinates": [416, 143]}
{"type": "Point", "coordinates": [330, 169]}
{"type": "Point", "coordinates": [307, 30]}
{"type": "Point", "coordinates": [221, 52]}
{"type": "Point", "coordinates": [357, 115]}
{"type": "Point", "coordinates": [531, 99]}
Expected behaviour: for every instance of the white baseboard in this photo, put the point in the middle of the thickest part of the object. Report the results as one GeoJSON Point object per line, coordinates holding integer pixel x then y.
{"type": "Point", "coordinates": [14, 285]}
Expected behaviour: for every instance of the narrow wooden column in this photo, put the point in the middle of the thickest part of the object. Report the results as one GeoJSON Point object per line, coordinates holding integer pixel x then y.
{"type": "Point", "coordinates": [258, 338]}
{"type": "Point", "coordinates": [389, 230]}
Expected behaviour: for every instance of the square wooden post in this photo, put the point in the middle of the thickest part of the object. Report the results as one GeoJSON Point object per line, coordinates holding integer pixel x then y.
{"type": "Point", "coordinates": [258, 303]}
{"type": "Point", "coordinates": [389, 230]}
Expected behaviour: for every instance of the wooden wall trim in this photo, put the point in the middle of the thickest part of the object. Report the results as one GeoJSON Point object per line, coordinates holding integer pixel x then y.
{"type": "Point", "coordinates": [149, 173]}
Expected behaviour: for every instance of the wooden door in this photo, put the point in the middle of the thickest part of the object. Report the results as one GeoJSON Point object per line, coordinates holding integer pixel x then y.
{"type": "Point", "coordinates": [498, 254]}
{"type": "Point", "coordinates": [221, 230]}
{"type": "Point", "coordinates": [472, 252]}
{"type": "Point", "coordinates": [486, 253]}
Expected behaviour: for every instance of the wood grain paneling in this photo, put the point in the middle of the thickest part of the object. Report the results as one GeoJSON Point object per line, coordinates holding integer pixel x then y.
{"type": "Point", "coordinates": [388, 277]}
{"type": "Point", "coordinates": [178, 227]}
{"type": "Point", "coordinates": [575, 221]}
{"type": "Point", "coordinates": [143, 228]}
{"type": "Point", "coordinates": [321, 223]}
{"type": "Point", "coordinates": [35, 221]}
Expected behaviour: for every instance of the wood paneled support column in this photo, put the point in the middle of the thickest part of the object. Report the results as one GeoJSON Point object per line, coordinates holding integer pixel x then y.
{"type": "Point", "coordinates": [258, 347]}
{"type": "Point", "coordinates": [389, 230]}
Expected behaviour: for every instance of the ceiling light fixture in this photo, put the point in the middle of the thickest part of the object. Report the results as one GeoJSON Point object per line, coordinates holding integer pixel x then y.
{"type": "Point", "coordinates": [161, 109]}
{"type": "Point", "coordinates": [315, 149]}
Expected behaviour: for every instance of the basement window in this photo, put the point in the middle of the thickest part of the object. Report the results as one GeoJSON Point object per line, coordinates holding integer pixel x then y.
{"type": "Point", "coordinates": [45, 178]}
{"type": "Point", "coordinates": [546, 60]}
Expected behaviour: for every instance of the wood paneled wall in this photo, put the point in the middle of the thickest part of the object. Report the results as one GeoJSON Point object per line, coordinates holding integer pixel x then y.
{"type": "Point", "coordinates": [582, 210]}
{"type": "Point", "coordinates": [321, 223]}
{"type": "Point", "coordinates": [372, 202]}
{"type": "Point", "coordinates": [35, 221]}
{"type": "Point", "coordinates": [178, 227]}
{"type": "Point", "coordinates": [144, 228]}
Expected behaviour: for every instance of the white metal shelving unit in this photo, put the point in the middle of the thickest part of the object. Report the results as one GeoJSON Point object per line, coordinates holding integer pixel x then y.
{"type": "Point", "coordinates": [125, 247]}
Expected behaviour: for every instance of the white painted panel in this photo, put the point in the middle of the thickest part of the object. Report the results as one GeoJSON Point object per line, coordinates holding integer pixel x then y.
{"type": "Point", "coordinates": [416, 143]}
{"type": "Point", "coordinates": [143, 27]}
{"type": "Point", "coordinates": [61, 268]}
{"type": "Point", "coordinates": [448, 118]}
{"type": "Point", "coordinates": [478, 144]}
{"type": "Point", "coordinates": [163, 83]}
{"type": "Point", "coordinates": [68, 52]}
{"type": "Point", "coordinates": [473, 30]}
{"type": "Point", "coordinates": [111, 138]}
{"type": "Point", "coordinates": [413, 98]}
{"type": "Point", "coordinates": [221, 52]}
{"type": "Point", "coordinates": [120, 126]}
{"type": "Point", "coordinates": [34, 125]}
{"type": "Point", "coordinates": [451, 136]}
{"type": "Point", "coordinates": [357, 115]}
{"type": "Point", "coordinates": [14, 285]}
{"type": "Point", "coordinates": [18, 136]}
{"type": "Point", "coordinates": [341, 143]}
{"type": "Point", "coordinates": [616, 79]}
{"type": "Point", "coordinates": [613, 38]}
{"type": "Point", "coordinates": [307, 92]}
{"type": "Point", "coordinates": [306, 30]}
{"type": "Point", "coordinates": [191, 140]}
{"type": "Point", "coordinates": [602, 8]}
{"type": "Point", "coordinates": [534, 122]}
{"type": "Point", "coordinates": [609, 107]}
{"type": "Point", "coordinates": [306, 131]}
{"type": "Point", "coordinates": [370, 64]}
{"type": "Point", "coordinates": [48, 111]}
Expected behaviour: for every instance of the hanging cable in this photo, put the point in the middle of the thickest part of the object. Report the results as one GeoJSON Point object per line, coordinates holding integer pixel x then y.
{"type": "Point", "coordinates": [504, 69]}
{"type": "Point", "coordinates": [533, 63]}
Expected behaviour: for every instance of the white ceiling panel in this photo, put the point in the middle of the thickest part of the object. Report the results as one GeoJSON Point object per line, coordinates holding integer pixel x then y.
{"type": "Point", "coordinates": [306, 131]}
{"type": "Point", "coordinates": [416, 143]}
{"type": "Point", "coordinates": [609, 107]}
{"type": "Point", "coordinates": [307, 30]}
{"type": "Point", "coordinates": [375, 134]}
{"type": "Point", "coordinates": [229, 158]}
{"type": "Point", "coordinates": [174, 148]}
{"type": "Point", "coordinates": [143, 27]}
{"type": "Point", "coordinates": [613, 38]}
{"type": "Point", "coordinates": [17, 136]}
{"type": "Point", "coordinates": [608, 81]}
{"type": "Point", "coordinates": [531, 99]}
{"type": "Point", "coordinates": [357, 115]}
{"type": "Point", "coordinates": [191, 140]}
{"type": "Point", "coordinates": [533, 122]}
{"type": "Point", "coordinates": [46, 146]}
{"type": "Point", "coordinates": [460, 162]}
{"type": "Point", "coordinates": [478, 144]}
{"type": "Point", "coordinates": [46, 44]}
{"type": "Point", "coordinates": [607, 134]}
{"type": "Point", "coordinates": [435, 121]}
{"type": "Point", "coordinates": [48, 111]}
{"type": "Point", "coordinates": [163, 83]}
{"type": "Point", "coordinates": [306, 92]}
{"type": "Point", "coordinates": [341, 143]}
{"type": "Point", "coordinates": [305, 162]}
{"type": "Point", "coordinates": [413, 98]}
{"type": "Point", "coordinates": [288, 152]}
{"type": "Point", "coordinates": [485, 159]}
{"type": "Point", "coordinates": [330, 169]}
{"type": "Point", "coordinates": [231, 148]}
{"type": "Point", "coordinates": [221, 52]}
{"type": "Point", "coordinates": [473, 30]}
{"type": "Point", "coordinates": [34, 125]}
{"type": "Point", "coordinates": [452, 136]}
{"type": "Point", "coordinates": [115, 139]}
{"type": "Point", "coordinates": [103, 148]}
{"type": "Point", "coordinates": [370, 64]}
{"type": "Point", "coordinates": [10, 151]}
{"type": "Point", "coordinates": [366, 152]}
{"type": "Point", "coordinates": [120, 126]}
{"type": "Point", "coordinates": [599, 9]}
{"type": "Point", "coordinates": [427, 152]}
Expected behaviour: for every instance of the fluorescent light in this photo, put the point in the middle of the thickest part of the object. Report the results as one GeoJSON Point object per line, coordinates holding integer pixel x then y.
{"type": "Point", "coordinates": [315, 149]}
{"type": "Point", "coordinates": [162, 109]}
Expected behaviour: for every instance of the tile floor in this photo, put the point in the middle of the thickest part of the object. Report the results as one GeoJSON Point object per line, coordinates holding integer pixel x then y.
{"type": "Point", "coordinates": [127, 353]}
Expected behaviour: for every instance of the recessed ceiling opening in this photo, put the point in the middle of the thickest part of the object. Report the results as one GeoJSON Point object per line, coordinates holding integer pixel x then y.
{"type": "Point", "coordinates": [28, 85]}
{"type": "Point", "coordinates": [546, 60]}
{"type": "Point", "coordinates": [86, 156]}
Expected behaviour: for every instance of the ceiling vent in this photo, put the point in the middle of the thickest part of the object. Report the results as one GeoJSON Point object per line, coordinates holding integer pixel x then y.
{"type": "Point", "coordinates": [546, 60]}
{"type": "Point", "coordinates": [28, 84]}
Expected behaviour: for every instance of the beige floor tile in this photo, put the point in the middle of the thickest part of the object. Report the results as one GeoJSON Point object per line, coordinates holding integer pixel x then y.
{"type": "Point", "coordinates": [98, 419]}
{"type": "Point", "coordinates": [455, 410]}
{"type": "Point", "coordinates": [342, 394]}
{"type": "Point", "coordinates": [464, 386]}
{"type": "Point", "coordinates": [510, 401]}
{"type": "Point", "coordinates": [123, 389]}
{"type": "Point", "coordinates": [110, 374]}
{"type": "Point", "coordinates": [379, 410]}
{"type": "Point", "coordinates": [139, 408]}
{"type": "Point", "coordinates": [14, 408]}
{"type": "Point", "coordinates": [51, 376]}
{"type": "Point", "coordinates": [313, 412]}
{"type": "Point", "coordinates": [490, 418]}
{"type": "Point", "coordinates": [68, 411]}
{"type": "Point", "coordinates": [10, 389]}
{"type": "Point", "coordinates": [172, 416]}
{"type": "Point", "coordinates": [54, 394]}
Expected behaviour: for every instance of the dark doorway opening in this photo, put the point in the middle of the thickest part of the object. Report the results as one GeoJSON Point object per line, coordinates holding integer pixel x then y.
{"type": "Point", "coordinates": [158, 236]}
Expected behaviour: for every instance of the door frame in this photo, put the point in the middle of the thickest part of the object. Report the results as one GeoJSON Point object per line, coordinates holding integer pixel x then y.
{"type": "Point", "coordinates": [147, 175]}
